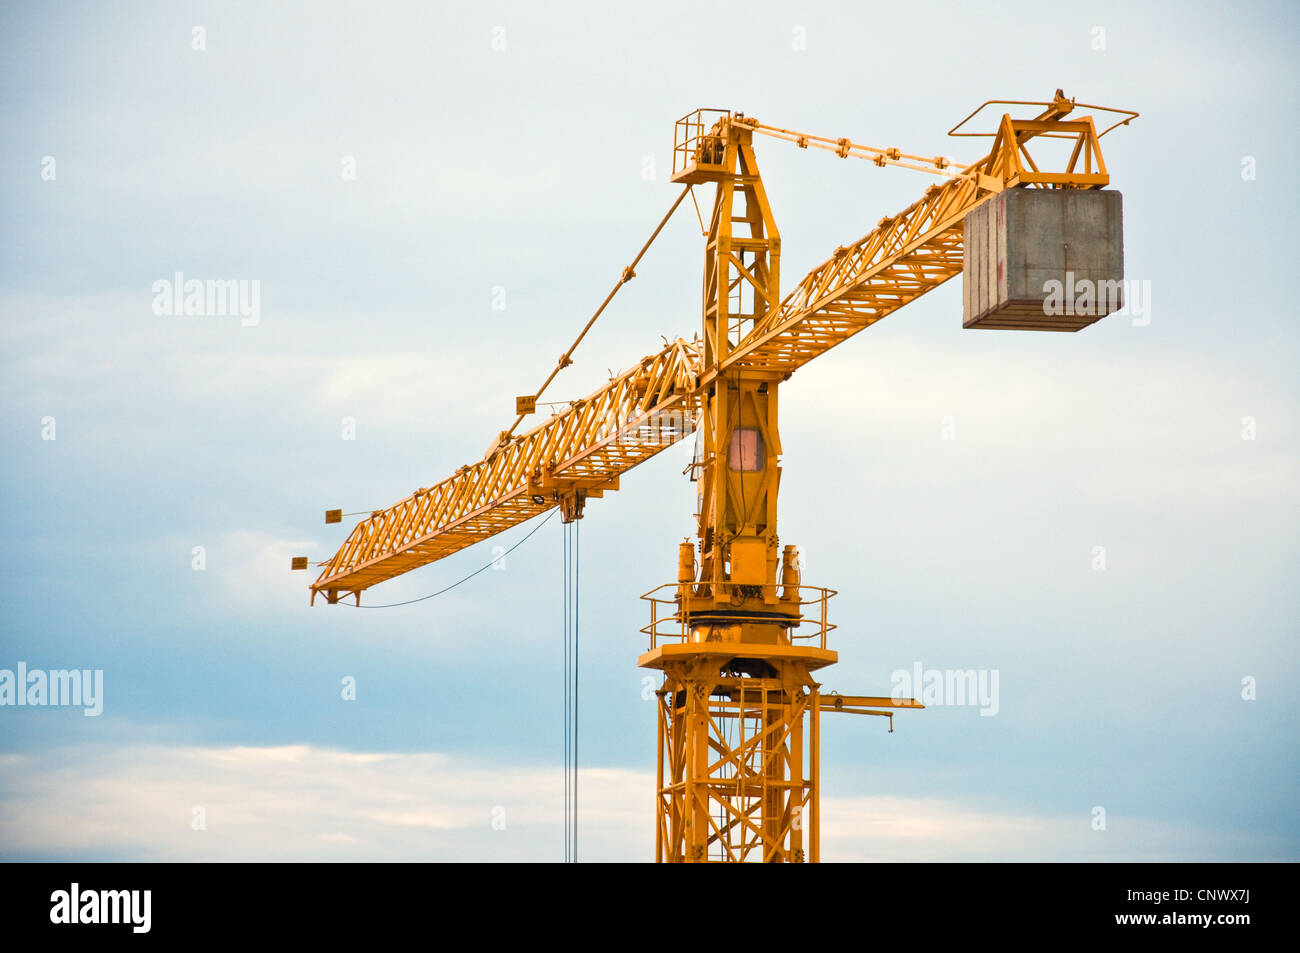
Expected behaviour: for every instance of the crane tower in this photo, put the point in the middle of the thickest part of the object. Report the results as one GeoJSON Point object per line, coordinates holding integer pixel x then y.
{"type": "Point", "coordinates": [739, 637]}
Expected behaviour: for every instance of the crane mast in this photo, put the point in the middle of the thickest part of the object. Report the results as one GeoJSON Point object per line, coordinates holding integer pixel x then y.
{"type": "Point", "coordinates": [738, 637]}
{"type": "Point", "coordinates": [738, 709]}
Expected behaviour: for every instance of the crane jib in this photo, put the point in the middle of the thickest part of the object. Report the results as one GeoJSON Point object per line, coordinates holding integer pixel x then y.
{"type": "Point", "coordinates": [568, 458]}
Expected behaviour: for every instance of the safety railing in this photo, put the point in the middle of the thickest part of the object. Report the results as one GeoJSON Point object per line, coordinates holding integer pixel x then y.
{"type": "Point", "coordinates": [692, 142]}
{"type": "Point", "coordinates": [668, 620]}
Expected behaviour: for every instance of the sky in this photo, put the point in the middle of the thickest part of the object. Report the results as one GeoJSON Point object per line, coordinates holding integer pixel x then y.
{"type": "Point", "coordinates": [432, 199]}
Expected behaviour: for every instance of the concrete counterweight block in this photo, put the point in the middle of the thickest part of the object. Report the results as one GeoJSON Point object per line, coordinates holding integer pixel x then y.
{"type": "Point", "coordinates": [1043, 260]}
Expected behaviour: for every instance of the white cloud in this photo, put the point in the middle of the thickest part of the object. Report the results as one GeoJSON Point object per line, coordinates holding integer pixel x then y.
{"type": "Point", "coordinates": [306, 803]}
{"type": "Point", "coordinates": [299, 802]}
{"type": "Point", "coordinates": [894, 830]}
{"type": "Point", "coordinates": [253, 569]}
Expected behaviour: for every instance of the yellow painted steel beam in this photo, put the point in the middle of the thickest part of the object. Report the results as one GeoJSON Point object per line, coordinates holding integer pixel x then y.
{"type": "Point", "coordinates": [838, 702]}
{"type": "Point", "coordinates": [640, 413]}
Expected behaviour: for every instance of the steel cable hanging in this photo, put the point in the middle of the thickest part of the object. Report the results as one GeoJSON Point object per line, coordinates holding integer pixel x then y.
{"type": "Point", "coordinates": [393, 605]}
{"type": "Point", "coordinates": [571, 564]}
{"type": "Point", "coordinates": [565, 662]}
{"type": "Point", "coordinates": [577, 577]}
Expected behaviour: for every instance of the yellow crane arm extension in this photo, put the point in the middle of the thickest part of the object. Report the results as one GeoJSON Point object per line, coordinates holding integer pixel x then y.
{"type": "Point", "coordinates": [579, 452]}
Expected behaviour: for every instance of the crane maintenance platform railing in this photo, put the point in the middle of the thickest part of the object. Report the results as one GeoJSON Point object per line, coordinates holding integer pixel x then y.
{"type": "Point", "coordinates": [694, 144]}
{"type": "Point", "coordinates": [668, 620]}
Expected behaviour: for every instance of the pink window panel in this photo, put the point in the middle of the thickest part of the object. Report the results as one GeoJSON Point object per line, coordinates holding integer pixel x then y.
{"type": "Point", "coordinates": [746, 453]}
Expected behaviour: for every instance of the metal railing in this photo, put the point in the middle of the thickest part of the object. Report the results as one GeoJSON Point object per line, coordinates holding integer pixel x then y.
{"type": "Point", "coordinates": [691, 132]}
{"type": "Point", "coordinates": [669, 621]}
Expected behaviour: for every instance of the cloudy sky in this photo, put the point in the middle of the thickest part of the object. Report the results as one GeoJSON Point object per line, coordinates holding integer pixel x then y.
{"type": "Point", "coordinates": [526, 147]}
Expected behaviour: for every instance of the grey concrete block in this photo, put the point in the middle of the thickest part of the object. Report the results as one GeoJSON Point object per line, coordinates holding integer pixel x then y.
{"type": "Point", "coordinates": [1043, 259]}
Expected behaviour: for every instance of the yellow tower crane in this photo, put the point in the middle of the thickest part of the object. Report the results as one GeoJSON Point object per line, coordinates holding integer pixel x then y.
{"type": "Point", "coordinates": [738, 636]}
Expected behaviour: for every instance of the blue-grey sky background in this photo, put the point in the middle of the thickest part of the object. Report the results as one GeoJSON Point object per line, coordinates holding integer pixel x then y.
{"type": "Point", "coordinates": [522, 168]}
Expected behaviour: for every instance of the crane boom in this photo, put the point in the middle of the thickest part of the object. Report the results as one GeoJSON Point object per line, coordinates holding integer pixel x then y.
{"type": "Point", "coordinates": [583, 451]}
{"type": "Point", "coordinates": [577, 453]}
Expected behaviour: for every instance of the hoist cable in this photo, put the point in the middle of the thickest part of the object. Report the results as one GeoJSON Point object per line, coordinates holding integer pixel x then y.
{"type": "Point", "coordinates": [564, 582]}
{"type": "Point", "coordinates": [570, 578]}
{"type": "Point", "coordinates": [577, 576]}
